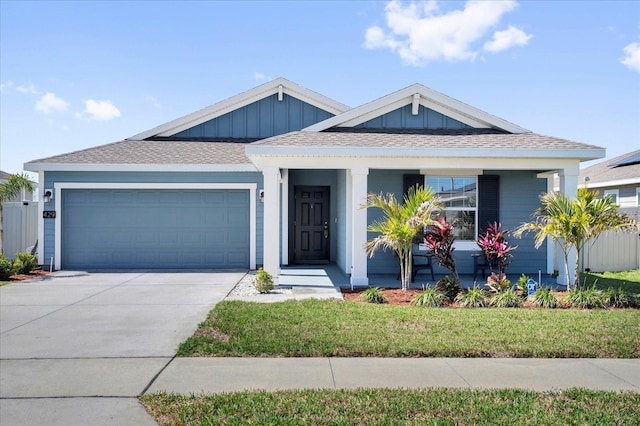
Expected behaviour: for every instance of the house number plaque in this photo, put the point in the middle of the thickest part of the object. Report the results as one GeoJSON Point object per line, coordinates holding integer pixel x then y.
{"type": "Point", "coordinates": [49, 214]}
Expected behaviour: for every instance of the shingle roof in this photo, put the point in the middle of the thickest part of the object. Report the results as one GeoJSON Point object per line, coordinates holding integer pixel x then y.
{"type": "Point", "coordinates": [155, 152]}
{"type": "Point", "coordinates": [403, 140]}
{"type": "Point", "coordinates": [604, 172]}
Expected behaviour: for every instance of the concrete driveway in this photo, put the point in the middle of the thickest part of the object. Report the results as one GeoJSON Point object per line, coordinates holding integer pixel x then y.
{"type": "Point", "coordinates": [77, 348]}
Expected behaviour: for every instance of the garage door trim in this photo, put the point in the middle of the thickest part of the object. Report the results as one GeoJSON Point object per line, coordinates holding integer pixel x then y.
{"type": "Point", "coordinates": [59, 186]}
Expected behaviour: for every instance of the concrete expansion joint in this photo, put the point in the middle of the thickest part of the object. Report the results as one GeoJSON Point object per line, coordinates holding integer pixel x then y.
{"type": "Point", "coordinates": [333, 377]}
{"type": "Point", "coordinates": [446, 361]}
{"type": "Point", "coordinates": [155, 377]}
{"type": "Point", "coordinates": [614, 375]}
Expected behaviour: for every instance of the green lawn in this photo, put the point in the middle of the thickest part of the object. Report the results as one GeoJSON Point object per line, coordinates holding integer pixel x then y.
{"type": "Point", "coordinates": [627, 280]}
{"type": "Point", "coordinates": [397, 407]}
{"type": "Point", "coordinates": [314, 328]}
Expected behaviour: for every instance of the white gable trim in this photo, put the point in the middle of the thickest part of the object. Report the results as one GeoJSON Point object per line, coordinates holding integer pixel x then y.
{"type": "Point", "coordinates": [277, 86]}
{"type": "Point", "coordinates": [59, 186]}
{"type": "Point", "coordinates": [429, 98]}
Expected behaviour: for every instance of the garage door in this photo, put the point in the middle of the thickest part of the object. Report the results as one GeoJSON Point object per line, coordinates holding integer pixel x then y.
{"type": "Point", "coordinates": [159, 229]}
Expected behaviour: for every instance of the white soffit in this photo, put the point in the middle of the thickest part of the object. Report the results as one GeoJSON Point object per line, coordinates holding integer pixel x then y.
{"type": "Point", "coordinates": [277, 86]}
{"type": "Point", "coordinates": [428, 98]}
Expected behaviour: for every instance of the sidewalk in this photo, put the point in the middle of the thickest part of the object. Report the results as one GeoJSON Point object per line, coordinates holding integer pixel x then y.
{"type": "Point", "coordinates": [217, 375]}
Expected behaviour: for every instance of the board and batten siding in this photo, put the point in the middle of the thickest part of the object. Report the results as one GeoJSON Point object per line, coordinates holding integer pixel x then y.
{"type": "Point", "coordinates": [50, 178]}
{"type": "Point", "coordinates": [402, 118]}
{"type": "Point", "coordinates": [261, 119]}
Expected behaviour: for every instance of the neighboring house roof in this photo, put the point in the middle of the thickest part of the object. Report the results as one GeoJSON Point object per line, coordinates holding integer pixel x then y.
{"type": "Point", "coordinates": [4, 175]}
{"type": "Point", "coordinates": [279, 86]}
{"type": "Point", "coordinates": [416, 95]}
{"type": "Point", "coordinates": [440, 144]}
{"type": "Point", "coordinates": [621, 170]}
{"type": "Point", "coordinates": [152, 155]}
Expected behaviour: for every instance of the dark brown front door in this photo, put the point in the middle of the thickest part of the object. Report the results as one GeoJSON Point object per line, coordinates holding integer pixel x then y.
{"type": "Point", "coordinates": [311, 228]}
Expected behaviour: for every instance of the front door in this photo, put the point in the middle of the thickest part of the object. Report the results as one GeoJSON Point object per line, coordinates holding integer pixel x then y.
{"type": "Point", "coordinates": [311, 227]}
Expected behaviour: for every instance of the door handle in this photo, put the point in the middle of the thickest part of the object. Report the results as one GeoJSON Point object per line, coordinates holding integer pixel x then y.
{"type": "Point", "coordinates": [326, 230]}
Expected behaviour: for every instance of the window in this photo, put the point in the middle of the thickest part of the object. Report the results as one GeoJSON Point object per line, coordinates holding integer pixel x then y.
{"type": "Point", "coordinates": [459, 196]}
{"type": "Point", "coordinates": [637, 197]}
{"type": "Point", "coordinates": [613, 193]}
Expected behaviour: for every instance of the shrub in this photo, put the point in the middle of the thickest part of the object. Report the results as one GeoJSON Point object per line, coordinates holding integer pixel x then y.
{"type": "Point", "coordinates": [373, 295]}
{"type": "Point", "coordinates": [508, 298]}
{"type": "Point", "coordinates": [450, 287]}
{"type": "Point", "coordinates": [25, 262]}
{"type": "Point", "coordinates": [586, 298]}
{"type": "Point", "coordinates": [472, 298]}
{"type": "Point", "coordinates": [264, 281]}
{"type": "Point", "coordinates": [498, 282]}
{"type": "Point", "coordinates": [430, 297]}
{"type": "Point", "coordinates": [618, 298]}
{"type": "Point", "coordinates": [495, 247]}
{"type": "Point", "coordinates": [6, 267]}
{"type": "Point", "coordinates": [544, 298]}
{"type": "Point", "coordinates": [521, 286]}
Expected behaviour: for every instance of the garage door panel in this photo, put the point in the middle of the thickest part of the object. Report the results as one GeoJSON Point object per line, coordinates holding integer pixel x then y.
{"type": "Point", "coordinates": [155, 229]}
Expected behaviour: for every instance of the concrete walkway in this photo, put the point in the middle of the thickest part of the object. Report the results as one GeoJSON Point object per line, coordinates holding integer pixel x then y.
{"type": "Point", "coordinates": [80, 348]}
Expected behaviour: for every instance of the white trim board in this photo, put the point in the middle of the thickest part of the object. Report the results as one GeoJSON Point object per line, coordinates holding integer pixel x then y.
{"type": "Point", "coordinates": [60, 186]}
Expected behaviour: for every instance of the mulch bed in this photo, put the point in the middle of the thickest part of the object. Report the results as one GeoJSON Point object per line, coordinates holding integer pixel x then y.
{"type": "Point", "coordinates": [31, 275]}
{"type": "Point", "coordinates": [395, 296]}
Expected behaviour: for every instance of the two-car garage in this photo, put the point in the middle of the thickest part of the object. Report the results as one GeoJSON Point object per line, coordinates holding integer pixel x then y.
{"type": "Point", "coordinates": [156, 228]}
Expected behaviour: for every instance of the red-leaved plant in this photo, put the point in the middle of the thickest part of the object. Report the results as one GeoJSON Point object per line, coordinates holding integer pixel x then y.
{"type": "Point", "coordinates": [439, 238]}
{"type": "Point", "coordinates": [495, 247]}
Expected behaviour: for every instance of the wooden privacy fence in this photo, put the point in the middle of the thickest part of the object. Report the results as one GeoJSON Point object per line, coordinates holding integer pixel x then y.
{"type": "Point", "coordinates": [20, 225]}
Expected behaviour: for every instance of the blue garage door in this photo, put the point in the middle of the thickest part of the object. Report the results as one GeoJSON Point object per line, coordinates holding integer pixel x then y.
{"type": "Point", "coordinates": [159, 229]}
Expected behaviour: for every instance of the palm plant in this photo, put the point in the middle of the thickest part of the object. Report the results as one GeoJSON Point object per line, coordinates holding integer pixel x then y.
{"type": "Point", "coordinates": [15, 184]}
{"type": "Point", "coordinates": [572, 223]}
{"type": "Point", "coordinates": [400, 224]}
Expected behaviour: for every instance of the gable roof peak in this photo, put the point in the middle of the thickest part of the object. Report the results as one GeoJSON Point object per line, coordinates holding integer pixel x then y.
{"type": "Point", "coordinates": [418, 94]}
{"type": "Point", "coordinates": [276, 86]}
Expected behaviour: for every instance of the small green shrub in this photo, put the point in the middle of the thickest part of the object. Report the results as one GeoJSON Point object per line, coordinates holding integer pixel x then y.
{"type": "Point", "coordinates": [430, 297]}
{"type": "Point", "coordinates": [373, 295]}
{"type": "Point", "coordinates": [618, 298]}
{"type": "Point", "coordinates": [544, 298]}
{"type": "Point", "coordinates": [521, 286]}
{"type": "Point", "coordinates": [25, 262]}
{"type": "Point", "coordinates": [264, 281]}
{"type": "Point", "coordinates": [498, 283]}
{"type": "Point", "coordinates": [586, 298]}
{"type": "Point", "coordinates": [6, 267]}
{"type": "Point", "coordinates": [450, 287]}
{"type": "Point", "coordinates": [472, 298]}
{"type": "Point", "coordinates": [508, 298]}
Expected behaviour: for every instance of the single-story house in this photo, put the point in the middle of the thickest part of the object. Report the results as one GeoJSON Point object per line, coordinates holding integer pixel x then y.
{"type": "Point", "coordinates": [276, 176]}
{"type": "Point", "coordinates": [619, 178]}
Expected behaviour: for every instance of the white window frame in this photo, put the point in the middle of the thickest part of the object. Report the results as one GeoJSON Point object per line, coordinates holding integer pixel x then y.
{"type": "Point", "coordinates": [613, 192]}
{"type": "Point", "coordinates": [463, 245]}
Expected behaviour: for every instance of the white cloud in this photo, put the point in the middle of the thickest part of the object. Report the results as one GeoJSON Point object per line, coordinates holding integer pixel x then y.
{"type": "Point", "coordinates": [632, 56]}
{"type": "Point", "coordinates": [30, 89]}
{"type": "Point", "coordinates": [506, 39]}
{"type": "Point", "coordinates": [101, 110]}
{"type": "Point", "coordinates": [49, 102]}
{"type": "Point", "coordinates": [258, 76]}
{"type": "Point", "coordinates": [7, 85]}
{"type": "Point", "coordinates": [419, 33]}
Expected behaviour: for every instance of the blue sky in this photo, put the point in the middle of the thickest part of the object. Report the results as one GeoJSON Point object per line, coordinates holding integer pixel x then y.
{"type": "Point", "coordinates": [79, 74]}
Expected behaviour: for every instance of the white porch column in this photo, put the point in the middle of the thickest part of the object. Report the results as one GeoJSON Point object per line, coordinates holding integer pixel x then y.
{"type": "Point", "coordinates": [359, 276]}
{"type": "Point", "coordinates": [271, 244]}
{"type": "Point", "coordinates": [285, 216]}
{"type": "Point", "coordinates": [569, 187]}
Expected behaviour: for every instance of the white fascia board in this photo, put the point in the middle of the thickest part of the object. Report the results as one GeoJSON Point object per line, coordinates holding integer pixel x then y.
{"type": "Point", "coordinates": [619, 182]}
{"type": "Point", "coordinates": [429, 98]}
{"type": "Point", "coordinates": [74, 167]}
{"type": "Point", "coordinates": [241, 100]}
{"type": "Point", "coordinates": [419, 163]}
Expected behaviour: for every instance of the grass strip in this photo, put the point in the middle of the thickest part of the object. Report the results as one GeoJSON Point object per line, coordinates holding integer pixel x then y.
{"type": "Point", "coordinates": [627, 280]}
{"type": "Point", "coordinates": [318, 328]}
{"type": "Point", "coordinates": [397, 407]}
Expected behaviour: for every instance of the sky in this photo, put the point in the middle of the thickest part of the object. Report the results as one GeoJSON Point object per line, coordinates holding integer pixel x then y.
{"type": "Point", "coordinates": [79, 74]}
